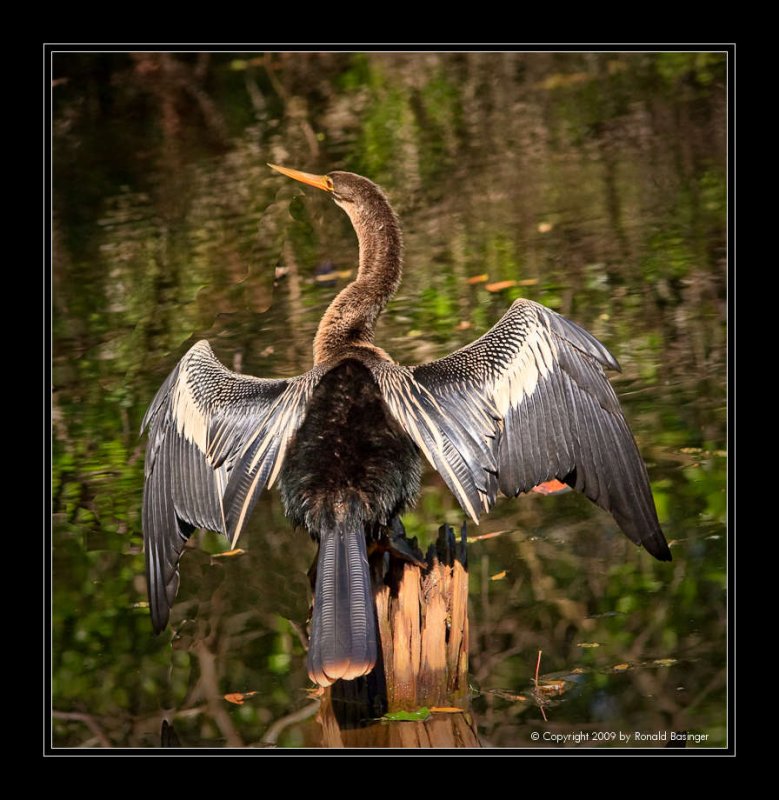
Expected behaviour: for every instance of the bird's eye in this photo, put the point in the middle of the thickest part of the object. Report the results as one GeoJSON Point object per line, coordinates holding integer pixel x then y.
{"type": "Point", "coordinates": [329, 183]}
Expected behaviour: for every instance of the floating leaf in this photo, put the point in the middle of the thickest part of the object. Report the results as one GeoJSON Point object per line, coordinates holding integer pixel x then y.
{"type": "Point", "coordinates": [446, 710]}
{"type": "Point", "coordinates": [229, 553]}
{"type": "Point", "coordinates": [464, 325]}
{"type": "Point", "coordinates": [238, 697]}
{"type": "Point", "coordinates": [327, 277]}
{"type": "Point", "coordinates": [499, 286]}
{"type": "Point", "coordinates": [664, 662]}
{"type": "Point", "coordinates": [499, 576]}
{"type": "Point", "coordinates": [481, 537]}
{"type": "Point", "coordinates": [528, 282]}
{"type": "Point", "coordinates": [588, 644]}
{"type": "Point", "coordinates": [545, 227]}
{"type": "Point", "coordinates": [474, 279]}
{"type": "Point", "coordinates": [620, 667]}
{"type": "Point", "coordinates": [408, 716]}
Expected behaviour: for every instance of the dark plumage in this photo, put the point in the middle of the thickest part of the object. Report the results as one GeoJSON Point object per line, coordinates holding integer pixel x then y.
{"type": "Point", "coordinates": [349, 457]}
{"type": "Point", "coordinates": [526, 403]}
{"type": "Point", "coordinates": [349, 470]}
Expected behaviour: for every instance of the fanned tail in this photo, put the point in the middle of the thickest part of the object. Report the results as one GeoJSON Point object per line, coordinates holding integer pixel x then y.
{"type": "Point", "coordinates": [343, 628]}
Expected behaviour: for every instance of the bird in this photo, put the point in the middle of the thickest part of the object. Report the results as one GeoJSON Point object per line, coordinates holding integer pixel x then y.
{"type": "Point", "coordinates": [526, 403]}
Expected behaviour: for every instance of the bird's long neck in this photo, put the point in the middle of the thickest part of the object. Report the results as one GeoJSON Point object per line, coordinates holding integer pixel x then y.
{"type": "Point", "coordinates": [351, 317]}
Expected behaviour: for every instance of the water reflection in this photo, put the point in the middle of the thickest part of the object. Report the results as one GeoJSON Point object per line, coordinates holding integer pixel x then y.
{"type": "Point", "coordinates": [591, 183]}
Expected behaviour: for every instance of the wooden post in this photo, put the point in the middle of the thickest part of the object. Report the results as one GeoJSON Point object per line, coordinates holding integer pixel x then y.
{"type": "Point", "coordinates": [422, 616]}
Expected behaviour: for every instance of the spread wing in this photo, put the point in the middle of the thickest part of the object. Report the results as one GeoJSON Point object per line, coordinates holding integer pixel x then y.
{"type": "Point", "coordinates": [527, 402]}
{"type": "Point", "coordinates": [216, 438]}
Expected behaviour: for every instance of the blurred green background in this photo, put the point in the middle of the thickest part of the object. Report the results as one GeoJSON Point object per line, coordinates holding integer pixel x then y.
{"type": "Point", "coordinates": [592, 183]}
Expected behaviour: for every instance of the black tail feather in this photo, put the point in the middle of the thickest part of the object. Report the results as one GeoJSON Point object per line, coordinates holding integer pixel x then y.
{"type": "Point", "coordinates": [343, 628]}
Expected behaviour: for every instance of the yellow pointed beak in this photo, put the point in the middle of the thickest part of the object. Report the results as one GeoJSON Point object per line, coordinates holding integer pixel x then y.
{"type": "Point", "coordinates": [320, 181]}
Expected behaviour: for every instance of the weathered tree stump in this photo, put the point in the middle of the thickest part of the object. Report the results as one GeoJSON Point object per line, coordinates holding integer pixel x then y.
{"type": "Point", "coordinates": [423, 624]}
{"type": "Point", "coordinates": [422, 619]}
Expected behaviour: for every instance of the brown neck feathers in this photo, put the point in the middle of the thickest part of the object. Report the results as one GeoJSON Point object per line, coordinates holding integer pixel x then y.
{"type": "Point", "coordinates": [351, 317]}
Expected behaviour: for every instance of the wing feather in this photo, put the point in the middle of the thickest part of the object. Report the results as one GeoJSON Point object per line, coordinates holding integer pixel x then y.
{"type": "Point", "coordinates": [527, 402]}
{"type": "Point", "coordinates": [201, 425]}
{"type": "Point", "coordinates": [458, 453]}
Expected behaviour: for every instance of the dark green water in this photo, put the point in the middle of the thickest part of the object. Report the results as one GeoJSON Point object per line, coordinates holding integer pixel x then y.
{"type": "Point", "coordinates": [595, 183]}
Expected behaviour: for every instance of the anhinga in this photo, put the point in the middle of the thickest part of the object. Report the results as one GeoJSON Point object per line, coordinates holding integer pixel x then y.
{"type": "Point", "coordinates": [526, 403]}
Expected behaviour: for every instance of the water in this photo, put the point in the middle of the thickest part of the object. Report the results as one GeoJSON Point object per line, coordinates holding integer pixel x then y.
{"type": "Point", "coordinates": [594, 183]}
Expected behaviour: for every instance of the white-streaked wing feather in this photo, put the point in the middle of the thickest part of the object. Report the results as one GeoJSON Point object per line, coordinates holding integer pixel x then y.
{"type": "Point", "coordinates": [202, 424]}
{"type": "Point", "coordinates": [459, 446]}
{"type": "Point", "coordinates": [527, 402]}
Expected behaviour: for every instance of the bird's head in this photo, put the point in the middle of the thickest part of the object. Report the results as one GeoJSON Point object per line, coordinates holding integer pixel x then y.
{"type": "Point", "coordinates": [351, 317]}
{"type": "Point", "coordinates": [356, 195]}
